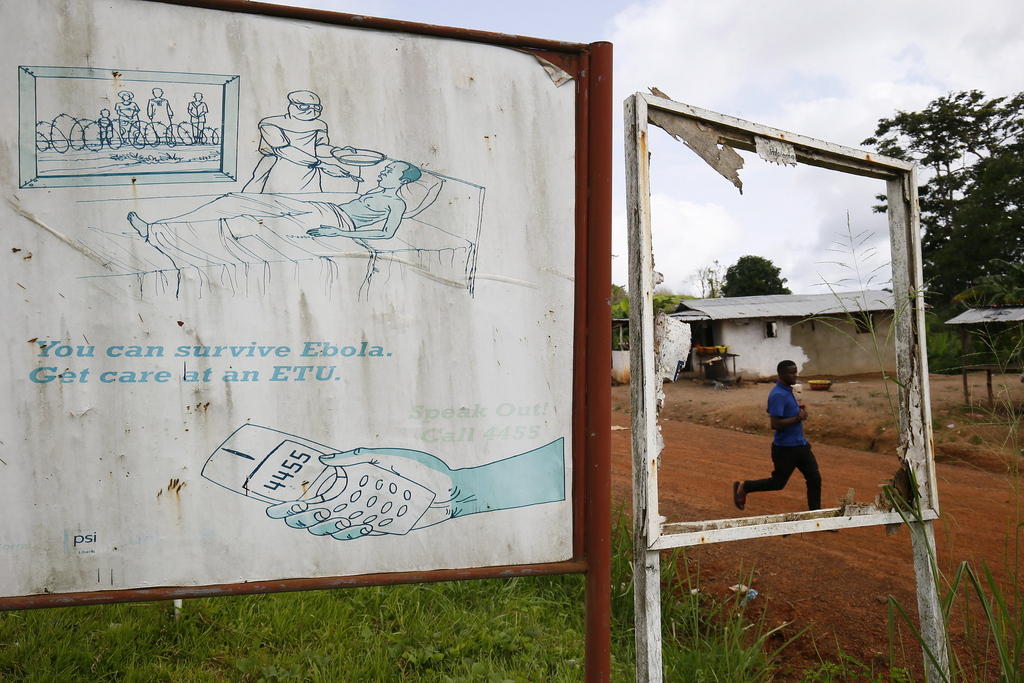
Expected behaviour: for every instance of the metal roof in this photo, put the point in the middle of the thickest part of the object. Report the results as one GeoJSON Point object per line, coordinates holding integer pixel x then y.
{"type": "Point", "coordinates": [784, 305]}
{"type": "Point", "coordinates": [996, 314]}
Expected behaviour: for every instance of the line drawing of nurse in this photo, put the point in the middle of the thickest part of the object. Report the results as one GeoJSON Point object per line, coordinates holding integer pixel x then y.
{"type": "Point", "coordinates": [295, 149]}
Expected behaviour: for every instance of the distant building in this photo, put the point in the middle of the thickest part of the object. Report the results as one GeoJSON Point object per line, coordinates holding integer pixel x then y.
{"type": "Point", "coordinates": [975, 320]}
{"type": "Point", "coordinates": [840, 333]}
{"type": "Point", "coordinates": [989, 314]}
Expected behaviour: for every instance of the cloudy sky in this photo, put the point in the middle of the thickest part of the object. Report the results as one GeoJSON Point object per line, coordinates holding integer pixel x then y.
{"type": "Point", "coordinates": [828, 70]}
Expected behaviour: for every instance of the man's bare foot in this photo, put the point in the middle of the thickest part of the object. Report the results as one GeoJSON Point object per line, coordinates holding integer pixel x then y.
{"type": "Point", "coordinates": [140, 226]}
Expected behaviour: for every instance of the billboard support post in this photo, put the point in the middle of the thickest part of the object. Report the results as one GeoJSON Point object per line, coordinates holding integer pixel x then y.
{"type": "Point", "coordinates": [598, 399]}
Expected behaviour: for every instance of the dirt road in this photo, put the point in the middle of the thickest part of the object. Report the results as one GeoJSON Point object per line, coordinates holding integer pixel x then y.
{"type": "Point", "coordinates": [835, 583]}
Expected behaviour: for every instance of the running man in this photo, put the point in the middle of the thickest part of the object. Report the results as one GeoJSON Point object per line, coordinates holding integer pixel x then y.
{"type": "Point", "coordinates": [790, 450]}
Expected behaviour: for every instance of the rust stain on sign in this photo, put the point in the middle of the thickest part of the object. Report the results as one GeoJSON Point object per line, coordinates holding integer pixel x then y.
{"type": "Point", "coordinates": [174, 486]}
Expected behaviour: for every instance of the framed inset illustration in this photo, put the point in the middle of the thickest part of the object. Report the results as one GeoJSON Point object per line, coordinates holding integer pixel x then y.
{"type": "Point", "coordinates": [82, 126]}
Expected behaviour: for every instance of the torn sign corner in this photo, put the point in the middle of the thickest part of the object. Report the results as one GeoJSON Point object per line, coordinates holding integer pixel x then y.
{"type": "Point", "coordinates": [557, 74]}
{"type": "Point", "coordinates": [704, 140]}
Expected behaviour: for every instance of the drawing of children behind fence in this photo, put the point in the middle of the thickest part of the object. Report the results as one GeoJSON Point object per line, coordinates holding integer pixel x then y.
{"type": "Point", "coordinates": [295, 149]}
{"type": "Point", "coordinates": [197, 111]}
{"type": "Point", "coordinates": [159, 112]}
{"type": "Point", "coordinates": [127, 116]}
{"type": "Point", "coordinates": [106, 128]}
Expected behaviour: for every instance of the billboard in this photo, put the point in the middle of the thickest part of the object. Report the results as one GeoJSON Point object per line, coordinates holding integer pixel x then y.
{"type": "Point", "coordinates": [283, 299]}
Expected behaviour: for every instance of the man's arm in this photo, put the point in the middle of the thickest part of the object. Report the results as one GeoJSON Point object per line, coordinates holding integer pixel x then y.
{"type": "Point", "coordinates": [278, 140]}
{"type": "Point", "coordinates": [323, 146]}
{"type": "Point", "coordinates": [777, 409]}
{"type": "Point", "coordinates": [783, 422]}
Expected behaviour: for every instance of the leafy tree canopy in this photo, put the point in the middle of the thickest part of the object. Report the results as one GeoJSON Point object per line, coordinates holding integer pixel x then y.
{"type": "Point", "coordinates": [620, 302]}
{"type": "Point", "coordinates": [663, 303]}
{"type": "Point", "coordinates": [753, 276]}
{"type": "Point", "coordinates": [708, 280]}
{"type": "Point", "coordinates": [1003, 289]}
{"type": "Point", "coordinates": [972, 200]}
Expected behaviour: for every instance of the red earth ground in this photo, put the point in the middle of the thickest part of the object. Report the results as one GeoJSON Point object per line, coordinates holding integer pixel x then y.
{"type": "Point", "coordinates": [835, 585]}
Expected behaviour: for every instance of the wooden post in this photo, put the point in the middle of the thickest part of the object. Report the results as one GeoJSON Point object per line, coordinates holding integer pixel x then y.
{"type": "Point", "coordinates": [933, 625]}
{"type": "Point", "coordinates": [915, 411]}
{"type": "Point", "coordinates": [964, 341]}
{"type": "Point", "coordinates": [643, 391]}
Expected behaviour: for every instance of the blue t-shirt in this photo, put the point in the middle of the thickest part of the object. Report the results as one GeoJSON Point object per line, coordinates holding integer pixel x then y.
{"type": "Point", "coordinates": [782, 403]}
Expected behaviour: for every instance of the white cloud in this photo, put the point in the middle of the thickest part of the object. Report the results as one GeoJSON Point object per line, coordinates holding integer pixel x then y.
{"type": "Point", "coordinates": [686, 236]}
{"type": "Point", "coordinates": [827, 70]}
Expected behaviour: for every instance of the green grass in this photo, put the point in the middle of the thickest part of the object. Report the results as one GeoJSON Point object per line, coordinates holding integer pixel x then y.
{"type": "Point", "coordinates": [519, 629]}
{"type": "Point", "coordinates": [516, 629]}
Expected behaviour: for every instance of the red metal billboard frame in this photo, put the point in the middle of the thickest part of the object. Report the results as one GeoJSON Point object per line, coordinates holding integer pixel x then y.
{"type": "Point", "coordinates": [591, 67]}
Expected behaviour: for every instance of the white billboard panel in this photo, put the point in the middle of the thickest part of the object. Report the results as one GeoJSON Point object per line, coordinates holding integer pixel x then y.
{"type": "Point", "coordinates": [281, 300]}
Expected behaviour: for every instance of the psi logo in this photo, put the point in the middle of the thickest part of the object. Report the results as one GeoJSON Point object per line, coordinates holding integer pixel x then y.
{"type": "Point", "coordinates": [79, 542]}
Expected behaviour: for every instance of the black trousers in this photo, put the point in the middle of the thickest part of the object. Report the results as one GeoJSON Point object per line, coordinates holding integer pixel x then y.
{"type": "Point", "coordinates": [786, 459]}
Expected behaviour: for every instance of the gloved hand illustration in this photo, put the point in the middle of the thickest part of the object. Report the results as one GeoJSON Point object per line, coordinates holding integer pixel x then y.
{"type": "Point", "coordinates": [364, 492]}
{"type": "Point", "coordinates": [373, 491]}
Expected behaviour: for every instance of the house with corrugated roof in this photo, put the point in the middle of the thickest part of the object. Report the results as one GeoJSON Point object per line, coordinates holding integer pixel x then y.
{"type": "Point", "coordinates": [831, 334]}
{"type": "Point", "coordinates": [974, 320]}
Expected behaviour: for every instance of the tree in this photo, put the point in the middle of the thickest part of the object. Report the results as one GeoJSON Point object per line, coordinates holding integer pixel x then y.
{"type": "Point", "coordinates": [664, 301]}
{"type": "Point", "coordinates": [752, 276]}
{"type": "Point", "coordinates": [972, 199]}
{"type": "Point", "coordinates": [620, 302]}
{"type": "Point", "coordinates": [709, 280]}
{"type": "Point", "coordinates": [1004, 289]}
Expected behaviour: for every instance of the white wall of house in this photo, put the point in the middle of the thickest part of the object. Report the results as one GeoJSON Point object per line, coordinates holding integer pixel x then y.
{"type": "Point", "coordinates": [836, 347]}
{"type": "Point", "coordinates": [758, 354]}
{"type": "Point", "coordinates": [830, 347]}
{"type": "Point", "coordinates": [620, 367]}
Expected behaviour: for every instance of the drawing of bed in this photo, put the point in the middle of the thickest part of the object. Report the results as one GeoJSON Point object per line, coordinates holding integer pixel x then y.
{"type": "Point", "coordinates": [223, 237]}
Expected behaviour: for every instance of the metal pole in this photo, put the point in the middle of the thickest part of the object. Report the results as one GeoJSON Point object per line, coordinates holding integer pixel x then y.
{"type": "Point", "coordinates": [599, 361]}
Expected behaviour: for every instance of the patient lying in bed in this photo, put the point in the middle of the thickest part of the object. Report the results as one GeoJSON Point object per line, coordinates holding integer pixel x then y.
{"type": "Point", "coordinates": [374, 215]}
{"type": "Point", "coordinates": [391, 226]}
